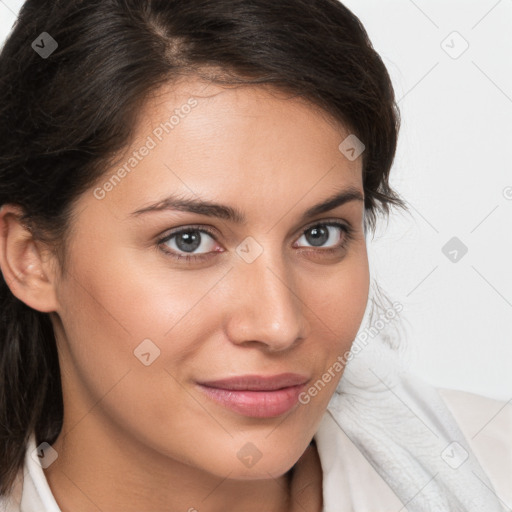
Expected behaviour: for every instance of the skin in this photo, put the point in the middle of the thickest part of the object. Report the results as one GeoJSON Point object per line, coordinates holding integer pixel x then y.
{"type": "Point", "coordinates": [139, 437]}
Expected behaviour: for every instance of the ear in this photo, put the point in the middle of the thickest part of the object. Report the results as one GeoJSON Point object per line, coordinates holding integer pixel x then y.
{"type": "Point", "coordinates": [27, 266]}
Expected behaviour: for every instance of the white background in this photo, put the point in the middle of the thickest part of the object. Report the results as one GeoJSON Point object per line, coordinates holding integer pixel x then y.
{"type": "Point", "coordinates": [452, 169]}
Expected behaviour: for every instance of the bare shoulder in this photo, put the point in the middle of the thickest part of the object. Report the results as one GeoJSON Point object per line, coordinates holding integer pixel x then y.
{"type": "Point", "coordinates": [487, 425]}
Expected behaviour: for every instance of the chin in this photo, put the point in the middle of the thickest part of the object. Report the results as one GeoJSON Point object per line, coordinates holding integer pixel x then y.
{"type": "Point", "coordinates": [262, 471]}
{"type": "Point", "coordinates": [252, 463]}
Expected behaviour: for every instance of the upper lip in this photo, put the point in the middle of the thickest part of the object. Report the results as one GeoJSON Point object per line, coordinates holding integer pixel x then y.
{"type": "Point", "coordinates": [258, 382]}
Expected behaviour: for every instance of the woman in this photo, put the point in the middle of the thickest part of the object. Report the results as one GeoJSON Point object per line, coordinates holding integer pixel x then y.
{"type": "Point", "coordinates": [186, 192]}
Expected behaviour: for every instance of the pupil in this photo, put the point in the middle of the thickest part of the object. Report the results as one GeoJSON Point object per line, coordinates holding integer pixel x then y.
{"type": "Point", "coordinates": [319, 236]}
{"type": "Point", "coordinates": [188, 241]}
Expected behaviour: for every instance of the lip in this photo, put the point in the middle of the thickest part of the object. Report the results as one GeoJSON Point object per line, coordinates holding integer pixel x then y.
{"type": "Point", "coordinates": [256, 396]}
{"type": "Point", "coordinates": [258, 382]}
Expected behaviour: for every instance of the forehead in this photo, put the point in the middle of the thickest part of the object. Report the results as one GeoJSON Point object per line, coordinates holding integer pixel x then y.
{"type": "Point", "coordinates": [192, 109]}
{"type": "Point", "coordinates": [265, 97]}
{"type": "Point", "coordinates": [251, 144]}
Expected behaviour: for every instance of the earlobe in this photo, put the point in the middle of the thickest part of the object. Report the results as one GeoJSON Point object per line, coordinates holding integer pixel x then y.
{"type": "Point", "coordinates": [24, 265]}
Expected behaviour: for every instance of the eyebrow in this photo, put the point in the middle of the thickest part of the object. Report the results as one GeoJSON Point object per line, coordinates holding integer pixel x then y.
{"type": "Point", "coordinates": [212, 209]}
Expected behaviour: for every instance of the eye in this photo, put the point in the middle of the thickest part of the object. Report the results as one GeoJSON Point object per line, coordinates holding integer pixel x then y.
{"type": "Point", "coordinates": [182, 244]}
{"type": "Point", "coordinates": [187, 241]}
{"type": "Point", "coordinates": [334, 234]}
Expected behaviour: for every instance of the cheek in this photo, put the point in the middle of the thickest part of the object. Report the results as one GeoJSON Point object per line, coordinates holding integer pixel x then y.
{"type": "Point", "coordinates": [106, 318]}
{"type": "Point", "coordinates": [113, 315]}
{"type": "Point", "coordinates": [338, 305]}
{"type": "Point", "coordinates": [339, 308]}
{"type": "Point", "coordinates": [118, 305]}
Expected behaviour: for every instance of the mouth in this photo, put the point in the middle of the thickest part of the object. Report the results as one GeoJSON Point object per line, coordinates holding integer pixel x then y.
{"type": "Point", "coordinates": [256, 396]}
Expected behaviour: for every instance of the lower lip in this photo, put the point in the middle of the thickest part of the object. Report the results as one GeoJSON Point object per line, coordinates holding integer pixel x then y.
{"type": "Point", "coordinates": [256, 404]}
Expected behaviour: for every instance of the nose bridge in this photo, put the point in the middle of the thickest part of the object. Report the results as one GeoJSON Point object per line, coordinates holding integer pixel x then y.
{"type": "Point", "coordinates": [267, 308]}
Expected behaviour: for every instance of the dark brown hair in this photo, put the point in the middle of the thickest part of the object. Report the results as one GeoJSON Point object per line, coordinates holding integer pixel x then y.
{"type": "Point", "coordinates": [65, 115]}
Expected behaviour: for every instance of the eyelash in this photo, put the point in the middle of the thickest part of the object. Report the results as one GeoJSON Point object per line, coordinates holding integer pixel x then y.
{"type": "Point", "coordinates": [188, 258]}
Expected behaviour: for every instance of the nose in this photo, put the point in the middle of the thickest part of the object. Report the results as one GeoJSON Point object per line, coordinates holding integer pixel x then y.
{"type": "Point", "coordinates": [266, 308]}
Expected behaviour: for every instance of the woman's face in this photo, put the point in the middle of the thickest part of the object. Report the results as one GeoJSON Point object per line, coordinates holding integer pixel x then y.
{"type": "Point", "coordinates": [139, 326]}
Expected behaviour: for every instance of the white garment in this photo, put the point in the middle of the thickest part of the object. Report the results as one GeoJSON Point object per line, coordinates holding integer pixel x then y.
{"type": "Point", "coordinates": [427, 450]}
{"type": "Point", "coordinates": [388, 442]}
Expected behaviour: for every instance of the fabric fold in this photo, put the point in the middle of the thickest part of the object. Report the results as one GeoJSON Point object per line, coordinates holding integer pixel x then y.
{"type": "Point", "coordinates": [404, 429]}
